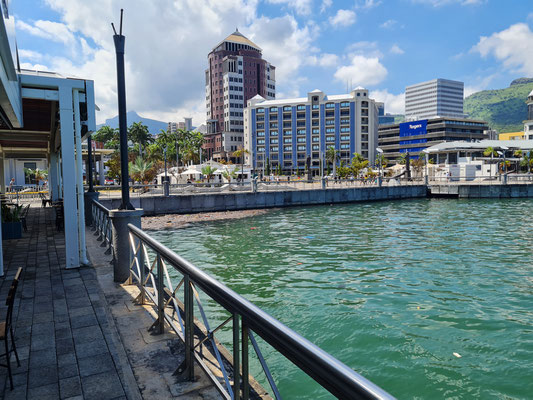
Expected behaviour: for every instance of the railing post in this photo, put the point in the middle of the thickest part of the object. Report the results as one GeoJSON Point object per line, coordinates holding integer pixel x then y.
{"type": "Point", "coordinates": [142, 277]}
{"type": "Point", "coordinates": [236, 358]}
{"type": "Point", "coordinates": [189, 328]}
{"type": "Point", "coordinates": [245, 365]}
{"type": "Point", "coordinates": [160, 297]}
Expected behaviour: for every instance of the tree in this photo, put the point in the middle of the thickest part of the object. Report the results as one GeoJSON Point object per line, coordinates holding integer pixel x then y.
{"type": "Point", "coordinates": [140, 169]}
{"type": "Point", "coordinates": [108, 136]}
{"type": "Point", "coordinates": [113, 165]}
{"type": "Point", "coordinates": [239, 153]}
{"type": "Point", "coordinates": [138, 133]}
{"type": "Point", "coordinates": [489, 151]}
{"type": "Point", "coordinates": [208, 171]}
{"type": "Point", "coordinates": [36, 175]}
{"type": "Point", "coordinates": [332, 156]}
{"type": "Point", "coordinates": [419, 163]}
{"type": "Point", "coordinates": [229, 173]}
{"type": "Point", "coordinates": [267, 168]}
{"type": "Point", "coordinates": [344, 171]}
{"type": "Point", "coordinates": [358, 164]}
{"type": "Point", "coordinates": [402, 160]}
{"type": "Point", "coordinates": [280, 171]}
{"type": "Point", "coordinates": [381, 160]}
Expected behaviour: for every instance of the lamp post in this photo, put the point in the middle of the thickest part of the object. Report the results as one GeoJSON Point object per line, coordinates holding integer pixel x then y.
{"type": "Point", "coordinates": [380, 161]}
{"type": "Point", "coordinates": [120, 40]}
{"type": "Point", "coordinates": [426, 152]}
{"type": "Point", "coordinates": [166, 186]}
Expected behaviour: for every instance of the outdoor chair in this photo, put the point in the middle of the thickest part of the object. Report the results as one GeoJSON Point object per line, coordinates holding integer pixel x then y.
{"type": "Point", "coordinates": [60, 216]}
{"type": "Point", "coordinates": [44, 200]}
{"type": "Point", "coordinates": [23, 216]}
{"type": "Point", "coordinates": [6, 328]}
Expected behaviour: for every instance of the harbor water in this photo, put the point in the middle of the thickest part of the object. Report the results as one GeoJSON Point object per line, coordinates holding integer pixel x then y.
{"type": "Point", "coordinates": [429, 298]}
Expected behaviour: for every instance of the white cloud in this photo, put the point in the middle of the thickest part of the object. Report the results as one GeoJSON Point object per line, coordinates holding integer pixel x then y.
{"type": "Point", "coordinates": [30, 55]}
{"type": "Point", "coordinates": [395, 49]}
{"type": "Point", "coordinates": [481, 83]}
{"type": "Point", "coordinates": [286, 45]}
{"type": "Point", "coordinates": [439, 3]}
{"type": "Point", "coordinates": [35, 67]}
{"type": "Point", "coordinates": [364, 48]}
{"type": "Point", "coordinates": [54, 31]}
{"type": "Point", "coordinates": [367, 4]}
{"type": "Point", "coordinates": [324, 60]}
{"type": "Point", "coordinates": [512, 46]}
{"type": "Point", "coordinates": [389, 24]}
{"type": "Point", "coordinates": [394, 103]}
{"type": "Point", "coordinates": [165, 71]}
{"type": "Point", "coordinates": [362, 71]}
{"type": "Point", "coordinates": [302, 7]}
{"type": "Point", "coordinates": [325, 5]}
{"type": "Point", "coordinates": [343, 18]}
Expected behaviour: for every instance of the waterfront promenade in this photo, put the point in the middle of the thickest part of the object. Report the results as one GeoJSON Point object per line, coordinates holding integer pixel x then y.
{"type": "Point", "coordinates": [78, 335]}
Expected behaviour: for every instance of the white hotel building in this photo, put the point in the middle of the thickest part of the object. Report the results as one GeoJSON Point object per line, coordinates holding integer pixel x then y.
{"type": "Point", "coordinates": [287, 132]}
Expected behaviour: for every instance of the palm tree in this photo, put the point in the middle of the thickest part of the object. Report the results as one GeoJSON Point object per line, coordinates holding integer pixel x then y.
{"type": "Point", "coordinates": [358, 164]}
{"type": "Point", "coordinates": [108, 136]}
{"type": "Point", "coordinates": [332, 156]}
{"type": "Point", "coordinates": [138, 133]}
{"type": "Point", "coordinates": [208, 171]}
{"type": "Point", "coordinates": [239, 153]}
{"type": "Point", "coordinates": [140, 169]}
{"type": "Point", "coordinates": [229, 174]}
{"type": "Point", "coordinates": [37, 174]}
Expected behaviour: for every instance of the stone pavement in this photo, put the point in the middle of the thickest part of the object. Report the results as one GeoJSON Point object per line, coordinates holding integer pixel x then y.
{"type": "Point", "coordinates": [66, 339]}
{"type": "Point", "coordinates": [153, 358]}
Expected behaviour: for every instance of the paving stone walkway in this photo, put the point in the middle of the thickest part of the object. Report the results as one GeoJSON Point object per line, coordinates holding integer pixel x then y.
{"type": "Point", "coordinates": [66, 338]}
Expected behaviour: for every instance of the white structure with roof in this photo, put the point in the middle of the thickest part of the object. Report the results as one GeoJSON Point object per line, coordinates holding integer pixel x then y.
{"type": "Point", "coordinates": [286, 132]}
{"type": "Point", "coordinates": [45, 115]}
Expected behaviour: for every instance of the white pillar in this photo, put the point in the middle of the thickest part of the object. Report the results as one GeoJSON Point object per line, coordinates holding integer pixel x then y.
{"type": "Point", "coordinates": [53, 176]}
{"type": "Point", "coordinates": [101, 174]}
{"type": "Point", "coordinates": [68, 165]}
{"type": "Point", "coordinates": [79, 182]}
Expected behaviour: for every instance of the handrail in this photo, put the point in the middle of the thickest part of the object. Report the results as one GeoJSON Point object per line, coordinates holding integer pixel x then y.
{"type": "Point", "coordinates": [102, 225]}
{"type": "Point", "coordinates": [329, 372]}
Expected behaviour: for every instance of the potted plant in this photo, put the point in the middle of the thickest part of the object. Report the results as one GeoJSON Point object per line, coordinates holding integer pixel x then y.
{"type": "Point", "coordinates": [11, 223]}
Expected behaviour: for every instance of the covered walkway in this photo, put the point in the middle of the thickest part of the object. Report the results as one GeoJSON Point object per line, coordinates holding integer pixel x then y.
{"type": "Point", "coordinates": [66, 340]}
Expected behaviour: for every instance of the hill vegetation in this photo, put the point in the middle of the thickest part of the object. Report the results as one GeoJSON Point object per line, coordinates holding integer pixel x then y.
{"type": "Point", "coordinates": [503, 109]}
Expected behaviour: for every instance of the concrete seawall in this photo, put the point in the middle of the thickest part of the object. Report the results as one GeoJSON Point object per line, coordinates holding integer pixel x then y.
{"type": "Point", "coordinates": [196, 203]}
{"type": "Point", "coordinates": [482, 191]}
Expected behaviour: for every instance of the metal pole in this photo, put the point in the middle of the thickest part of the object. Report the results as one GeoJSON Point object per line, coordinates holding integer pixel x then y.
{"type": "Point", "coordinates": [89, 173]}
{"type": "Point", "coordinates": [236, 358]}
{"type": "Point", "coordinates": [120, 40]}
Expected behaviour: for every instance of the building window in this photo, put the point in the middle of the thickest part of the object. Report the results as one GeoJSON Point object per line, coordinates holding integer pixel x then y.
{"type": "Point", "coordinates": [287, 108]}
{"type": "Point", "coordinates": [273, 133]}
{"type": "Point", "coordinates": [273, 109]}
{"type": "Point", "coordinates": [260, 110]}
{"type": "Point", "coordinates": [330, 138]}
{"type": "Point", "coordinates": [330, 105]}
{"type": "Point", "coordinates": [300, 107]}
{"type": "Point", "coordinates": [345, 104]}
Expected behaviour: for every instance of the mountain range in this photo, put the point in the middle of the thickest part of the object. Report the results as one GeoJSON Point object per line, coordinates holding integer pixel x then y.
{"type": "Point", "coordinates": [504, 109]}
{"type": "Point", "coordinates": [154, 126]}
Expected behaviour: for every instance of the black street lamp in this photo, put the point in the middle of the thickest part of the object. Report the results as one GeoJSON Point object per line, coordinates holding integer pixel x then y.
{"type": "Point", "coordinates": [120, 40]}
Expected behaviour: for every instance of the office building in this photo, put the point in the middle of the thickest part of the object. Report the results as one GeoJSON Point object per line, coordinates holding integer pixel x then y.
{"type": "Point", "coordinates": [436, 98]}
{"type": "Point", "coordinates": [384, 119]}
{"type": "Point", "coordinates": [287, 132]}
{"type": "Point", "coordinates": [414, 136]}
{"type": "Point", "coordinates": [236, 73]}
{"type": "Point", "coordinates": [528, 124]}
{"type": "Point", "coordinates": [186, 125]}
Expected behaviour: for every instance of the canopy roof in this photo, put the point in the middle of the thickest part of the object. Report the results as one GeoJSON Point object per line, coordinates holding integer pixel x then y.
{"type": "Point", "coordinates": [459, 145]}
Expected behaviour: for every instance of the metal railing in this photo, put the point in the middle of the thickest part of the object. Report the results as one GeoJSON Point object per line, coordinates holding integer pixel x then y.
{"type": "Point", "coordinates": [497, 179]}
{"type": "Point", "coordinates": [102, 225]}
{"type": "Point", "coordinates": [152, 276]}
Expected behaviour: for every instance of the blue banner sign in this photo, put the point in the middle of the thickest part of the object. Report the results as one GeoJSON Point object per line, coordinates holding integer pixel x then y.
{"type": "Point", "coordinates": [413, 128]}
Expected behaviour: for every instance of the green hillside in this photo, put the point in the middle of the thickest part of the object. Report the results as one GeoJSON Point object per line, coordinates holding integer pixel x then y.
{"type": "Point", "coordinates": [503, 109]}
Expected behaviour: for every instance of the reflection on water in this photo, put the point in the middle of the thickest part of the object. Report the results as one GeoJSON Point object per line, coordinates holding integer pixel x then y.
{"type": "Point", "coordinates": [392, 289]}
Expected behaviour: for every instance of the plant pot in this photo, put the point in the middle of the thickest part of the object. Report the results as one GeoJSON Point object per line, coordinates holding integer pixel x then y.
{"type": "Point", "coordinates": [11, 230]}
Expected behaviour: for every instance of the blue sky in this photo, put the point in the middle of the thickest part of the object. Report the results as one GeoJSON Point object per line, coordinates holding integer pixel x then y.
{"type": "Point", "coordinates": [327, 44]}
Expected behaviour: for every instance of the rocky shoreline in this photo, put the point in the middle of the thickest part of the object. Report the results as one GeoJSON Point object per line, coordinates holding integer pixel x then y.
{"type": "Point", "coordinates": [180, 221]}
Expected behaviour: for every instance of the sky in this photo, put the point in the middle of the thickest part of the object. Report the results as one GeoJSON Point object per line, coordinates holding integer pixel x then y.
{"type": "Point", "coordinates": [331, 45]}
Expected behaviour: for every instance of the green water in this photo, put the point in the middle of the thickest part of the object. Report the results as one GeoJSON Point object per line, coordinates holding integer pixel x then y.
{"type": "Point", "coordinates": [392, 289]}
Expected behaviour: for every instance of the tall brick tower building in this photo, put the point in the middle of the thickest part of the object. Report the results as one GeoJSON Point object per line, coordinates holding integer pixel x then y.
{"type": "Point", "coordinates": [236, 73]}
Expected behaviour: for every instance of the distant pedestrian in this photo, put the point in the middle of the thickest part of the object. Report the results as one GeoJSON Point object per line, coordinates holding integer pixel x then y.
{"type": "Point", "coordinates": [11, 184]}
